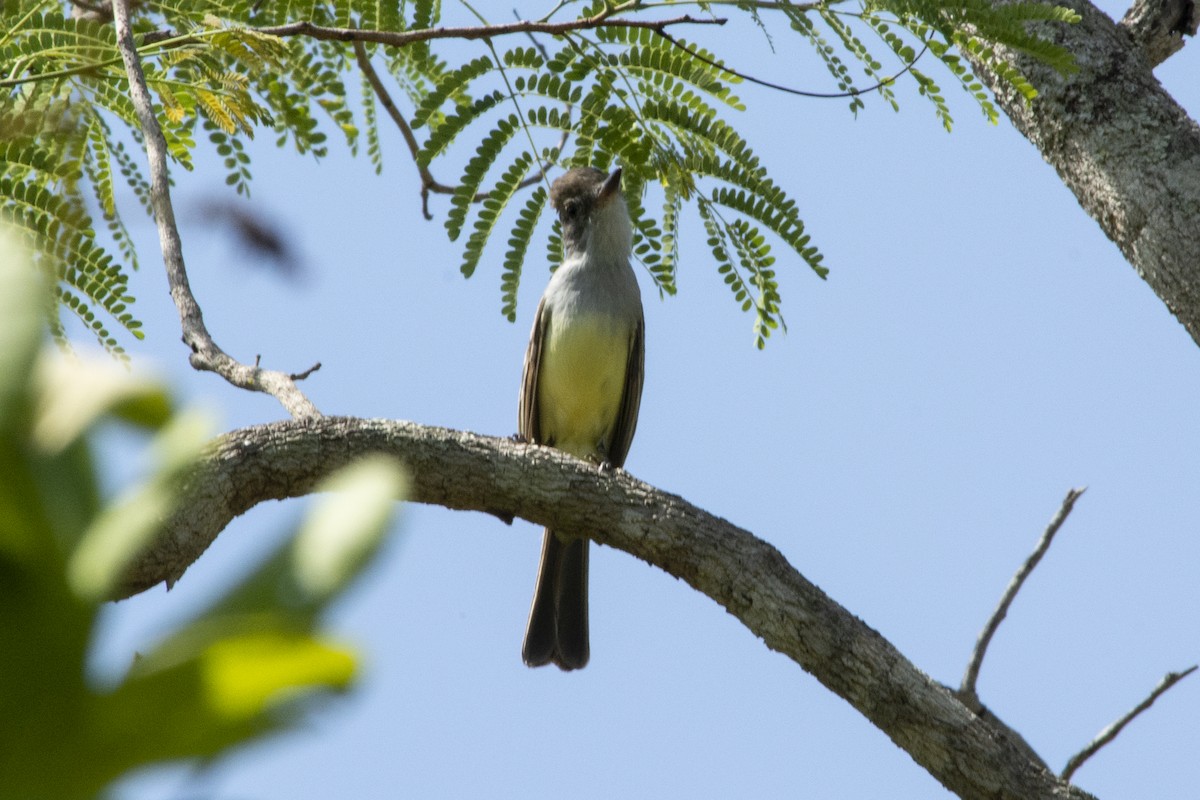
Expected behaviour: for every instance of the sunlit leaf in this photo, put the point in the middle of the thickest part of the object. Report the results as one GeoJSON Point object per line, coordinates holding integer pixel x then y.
{"type": "Point", "coordinates": [74, 392]}
{"type": "Point", "coordinates": [123, 529]}
{"type": "Point", "coordinates": [21, 306]}
{"type": "Point", "coordinates": [246, 674]}
{"type": "Point", "coordinates": [341, 533]}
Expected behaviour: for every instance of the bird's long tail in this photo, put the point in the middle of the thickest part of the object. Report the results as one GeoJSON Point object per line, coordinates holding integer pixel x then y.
{"type": "Point", "coordinates": [557, 631]}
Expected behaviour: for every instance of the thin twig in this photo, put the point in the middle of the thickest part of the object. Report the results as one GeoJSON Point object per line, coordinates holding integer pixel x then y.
{"type": "Point", "coordinates": [206, 355]}
{"type": "Point", "coordinates": [755, 5]}
{"type": "Point", "coordinates": [429, 184]}
{"type": "Point", "coordinates": [1108, 734]}
{"type": "Point", "coordinates": [787, 89]}
{"type": "Point", "coordinates": [967, 690]}
{"type": "Point", "coordinates": [299, 376]}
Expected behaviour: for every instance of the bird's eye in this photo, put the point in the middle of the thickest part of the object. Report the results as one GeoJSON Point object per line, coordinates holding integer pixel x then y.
{"type": "Point", "coordinates": [570, 211]}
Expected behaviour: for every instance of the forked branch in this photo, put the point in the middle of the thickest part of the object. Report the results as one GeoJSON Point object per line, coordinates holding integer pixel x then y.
{"type": "Point", "coordinates": [429, 184]}
{"type": "Point", "coordinates": [968, 693]}
{"type": "Point", "coordinates": [206, 354]}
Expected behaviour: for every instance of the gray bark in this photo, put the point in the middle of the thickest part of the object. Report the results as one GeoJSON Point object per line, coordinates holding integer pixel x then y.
{"type": "Point", "coordinates": [972, 754]}
{"type": "Point", "coordinates": [1158, 26]}
{"type": "Point", "coordinates": [1120, 142]}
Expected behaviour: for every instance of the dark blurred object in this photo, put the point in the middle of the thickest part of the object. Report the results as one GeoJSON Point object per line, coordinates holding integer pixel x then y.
{"type": "Point", "coordinates": [97, 12]}
{"type": "Point", "coordinates": [267, 243]}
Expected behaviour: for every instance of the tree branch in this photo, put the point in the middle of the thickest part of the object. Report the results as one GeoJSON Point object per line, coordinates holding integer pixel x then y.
{"type": "Point", "coordinates": [1123, 146]}
{"type": "Point", "coordinates": [1108, 734]}
{"type": "Point", "coordinates": [1158, 26]}
{"type": "Point", "coordinates": [206, 355]}
{"type": "Point", "coordinates": [428, 182]}
{"type": "Point", "coordinates": [747, 576]}
{"type": "Point", "coordinates": [402, 38]}
{"type": "Point", "coordinates": [967, 691]}
{"type": "Point", "coordinates": [778, 87]}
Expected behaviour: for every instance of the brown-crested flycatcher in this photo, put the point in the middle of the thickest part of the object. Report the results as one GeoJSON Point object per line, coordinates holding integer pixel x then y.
{"type": "Point", "coordinates": [582, 386]}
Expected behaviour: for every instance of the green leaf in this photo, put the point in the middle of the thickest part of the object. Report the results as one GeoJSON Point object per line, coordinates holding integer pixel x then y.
{"type": "Point", "coordinates": [623, 95]}
{"type": "Point", "coordinates": [250, 666]}
{"type": "Point", "coordinates": [245, 675]}
{"type": "Point", "coordinates": [472, 178]}
{"type": "Point", "coordinates": [345, 529]}
{"type": "Point", "coordinates": [518, 246]}
{"type": "Point", "coordinates": [74, 393]}
{"type": "Point", "coordinates": [122, 530]}
{"type": "Point", "coordinates": [21, 292]}
{"type": "Point", "coordinates": [497, 199]}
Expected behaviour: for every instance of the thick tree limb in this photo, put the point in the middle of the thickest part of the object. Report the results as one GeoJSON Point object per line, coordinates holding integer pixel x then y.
{"type": "Point", "coordinates": [1127, 150]}
{"type": "Point", "coordinates": [206, 355]}
{"type": "Point", "coordinates": [751, 579]}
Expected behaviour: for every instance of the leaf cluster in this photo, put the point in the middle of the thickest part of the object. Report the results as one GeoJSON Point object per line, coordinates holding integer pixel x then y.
{"type": "Point", "coordinates": [616, 96]}
{"type": "Point", "coordinates": [70, 142]}
{"type": "Point", "coordinates": [599, 95]}
{"type": "Point", "coordinates": [250, 664]}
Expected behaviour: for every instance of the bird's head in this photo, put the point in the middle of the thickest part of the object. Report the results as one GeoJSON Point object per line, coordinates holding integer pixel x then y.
{"type": "Point", "coordinates": [592, 212]}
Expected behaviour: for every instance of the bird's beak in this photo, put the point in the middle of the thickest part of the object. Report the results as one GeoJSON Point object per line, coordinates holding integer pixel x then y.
{"type": "Point", "coordinates": [612, 185]}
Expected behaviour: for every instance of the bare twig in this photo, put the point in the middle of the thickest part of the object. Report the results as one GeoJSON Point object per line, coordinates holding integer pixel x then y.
{"type": "Point", "coordinates": [967, 691]}
{"type": "Point", "coordinates": [429, 184]}
{"type": "Point", "coordinates": [206, 355]}
{"type": "Point", "coordinates": [787, 89]}
{"type": "Point", "coordinates": [299, 376]}
{"type": "Point", "coordinates": [1108, 734]}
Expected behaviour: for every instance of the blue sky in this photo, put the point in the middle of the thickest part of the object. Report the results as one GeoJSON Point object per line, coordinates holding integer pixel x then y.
{"type": "Point", "coordinates": [978, 348]}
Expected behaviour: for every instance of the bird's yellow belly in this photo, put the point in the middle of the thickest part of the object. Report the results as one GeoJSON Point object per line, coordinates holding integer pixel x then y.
{"type": "Point", "coordinates": [580, 383]}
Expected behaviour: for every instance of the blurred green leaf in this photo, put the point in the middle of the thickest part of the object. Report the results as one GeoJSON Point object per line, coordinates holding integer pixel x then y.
{"type": "Point", "coordinates": [21, 302]}
{"type": "Point", "coordinates": [119, 532]}
{"type": "Point", "coordinates": [345, 528]}
{"type": "Point", "coordinates": [74, 392]}
{"type": "Point", "coordinates": [251, 665]}
{"type": "Point", "coordinates": [245, 675]}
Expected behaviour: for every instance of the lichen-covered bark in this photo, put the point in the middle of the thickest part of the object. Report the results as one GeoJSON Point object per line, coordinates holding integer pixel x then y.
{"type": "Point", "coordinates": [971, 754]}
{"type": "Point", "coordinates": [1127, 150]}
{"type": "Point", "coordinates": [1158, 27]}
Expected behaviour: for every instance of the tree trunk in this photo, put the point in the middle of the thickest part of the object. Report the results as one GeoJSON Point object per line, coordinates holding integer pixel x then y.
{"type": "Point", "coordinates": [1123, 146]}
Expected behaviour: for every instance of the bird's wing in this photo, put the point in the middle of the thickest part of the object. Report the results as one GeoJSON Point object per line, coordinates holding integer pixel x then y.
{"type": "Point", "coordinates": [631, 397]}
{"type": "Point", "coordinates": [527, 407]}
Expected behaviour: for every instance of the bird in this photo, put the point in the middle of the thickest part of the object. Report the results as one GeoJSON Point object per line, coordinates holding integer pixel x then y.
{"type": "Point", "coordinates": [581, 387]}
